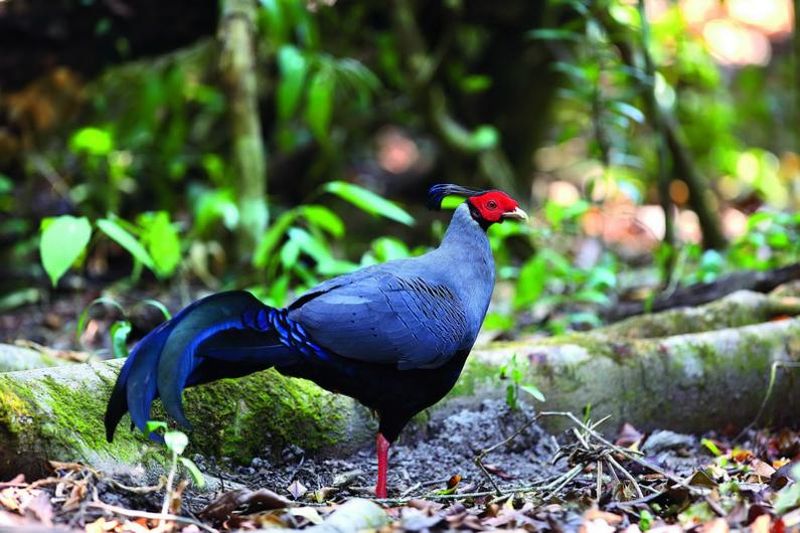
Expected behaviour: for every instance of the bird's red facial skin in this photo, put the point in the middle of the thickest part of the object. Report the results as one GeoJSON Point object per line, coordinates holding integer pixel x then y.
{"type": "Point", "coordinates": [493, 205]}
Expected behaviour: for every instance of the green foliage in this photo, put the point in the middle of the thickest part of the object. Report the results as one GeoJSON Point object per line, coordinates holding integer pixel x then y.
{"type": "Point", "coordinates": [307, 232]}
{"type": "Point", "coordinates": [176, 443]}
{"type": "Point", "coordinates": [515, 372]}
{"type": "Point", "coordinates": [119, 338]}
{"type": "Point", "coordinates": [114, 230]}
{"type": "Point", "coordinates": [368, 201]}
{"type": "Point", "coordinates": [161, 240]}
{"type": "Point", "coordinates": [63, 241]}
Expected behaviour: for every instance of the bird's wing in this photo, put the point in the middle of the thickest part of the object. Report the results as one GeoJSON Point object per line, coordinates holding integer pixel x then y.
{"type": "Point", "coordinates": [384, 317]}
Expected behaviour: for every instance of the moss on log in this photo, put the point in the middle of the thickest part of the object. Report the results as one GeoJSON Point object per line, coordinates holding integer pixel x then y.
{"type": "Point", "coordinates": [689, 383]}
{"type": "Point", "coordinates": [57, 413]}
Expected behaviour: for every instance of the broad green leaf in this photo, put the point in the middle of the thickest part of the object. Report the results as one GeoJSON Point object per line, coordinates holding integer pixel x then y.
{"type": "Point", "coordinates": [62, 242]}
{"type": "Point", "coordinates": [119, 338]}
{"type": "Point", "coordinates": [293, 69]}
{"type": "Point", "coordinates": [121, 236]}
{"type": "Point", "coordinates": [269, 242]}
{"type": "Point", "coordinates": [336, 267]}
{"type": "Point", "coordinates": [176, 441]}
{"type": "Point", "coordinates": [388, 249]}
{"type": "Point", "coordinates": [162, 242]}
{"type": "Point", "coordinates": [309, 245]}
{"type": "Point", "coordinates": [533, 391]}
{"type": "Point", "coordinates": [324, 218]}
{"type": "Point", "coordinates": [289, 254]}
{"type": "Point", "coordinates": [369, 202]}
{"type": "Point", "coordinates": [320, 104]}
{"type": "Point", "coordinates": [213, 206]}
{"type": "Point", "coordinates": [194, 472]}
{"type": "Point", "coordinates": [93, 141]}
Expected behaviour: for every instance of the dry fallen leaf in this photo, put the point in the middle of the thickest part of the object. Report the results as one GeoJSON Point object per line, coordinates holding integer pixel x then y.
{"type": "Point", "coordinates": [297, 489]}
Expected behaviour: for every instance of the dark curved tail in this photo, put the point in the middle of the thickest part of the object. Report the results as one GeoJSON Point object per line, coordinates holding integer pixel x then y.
{"type": "Point", "coordinates": [228, 334]}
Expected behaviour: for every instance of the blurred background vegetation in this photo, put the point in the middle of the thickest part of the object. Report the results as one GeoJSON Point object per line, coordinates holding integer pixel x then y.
{"type": "Point", "coordinates": [167, 149]}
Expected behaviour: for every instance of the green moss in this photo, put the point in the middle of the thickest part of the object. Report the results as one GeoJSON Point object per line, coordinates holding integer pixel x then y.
{"type": "Point", "coordinates": [241, 417]}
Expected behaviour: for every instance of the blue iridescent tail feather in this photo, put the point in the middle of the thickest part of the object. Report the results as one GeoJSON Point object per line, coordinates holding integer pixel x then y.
{"type": "Point", "coordinates": [198, 345]}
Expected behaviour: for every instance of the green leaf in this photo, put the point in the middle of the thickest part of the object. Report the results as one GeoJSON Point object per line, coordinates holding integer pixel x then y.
{"type": "Point", "coordinates": [369, 202]}
{"type": "Point", "coordinates": [309, 245]}
{"type": "Point", "coordinates": [154, 425]}
{"type": "Point", "coordinates": [62, 242]}
{"type": "Point", "coordinates": [711, 446]}
{"type": "Point", "coordinates": [94, 141]}
{"type": "Point", "coordinates": [266, 246]}
{"type": "Point", "coordinates": [627, 110]}
{"type": "Point", "coordinates": [532, 278]}
{"type": "Point", "coordinates": [194, 472]}
{"type": "Point", "coordinates": [553, 34]}
{"type": "Point", "coordinates": [289, 254]}
{"type": "Point", "coordinates": [293, 69]}
{"type": "Point", "coordinates": [119, 338]}
{"type": "Point", "coordinates": [484, 137]}
{"type": "Point", "coordinates": [162, 242]}
{"type": "Point", "coordinates": [158, 305]}
{"type": "Point", "coordinates": [176, 441]}
{"type": "Point", "coordinates": [121, 236]}
{"type": "Point", "coordinates": [533, 391]}
{"type": "Point", "coordinates": [389, 248]}
{"type": "Point", "coordinates": [319, 109]}
{"type": "Point", "coordinates": [324, 218]}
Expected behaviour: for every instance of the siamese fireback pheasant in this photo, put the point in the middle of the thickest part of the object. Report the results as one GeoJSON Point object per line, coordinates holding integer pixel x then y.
{"type": "Point", "coordinates": [394, 336]}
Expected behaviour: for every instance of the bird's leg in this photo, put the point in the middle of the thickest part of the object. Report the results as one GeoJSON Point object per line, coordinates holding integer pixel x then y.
{"type": "Point", "coordinates": [383, 465]}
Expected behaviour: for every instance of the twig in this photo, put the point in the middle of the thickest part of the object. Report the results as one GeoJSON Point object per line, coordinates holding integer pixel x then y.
{"type": "Point", "coordinates": [599, 488]}
{"type": "Point", "coordinates": [411, 489]}
{"type": "Point", "coordinates": [622, 451]}
{"type": "Point", "coordinates": [137, 490]}
{"type": "Point", "coordinates": [483, 453]}
{"type": "Point", "coordinates": [152, 516]}
{"type": "Point", "coordinates": [569, 476]}
{"type": "Point", "coordinates": [613, 462]}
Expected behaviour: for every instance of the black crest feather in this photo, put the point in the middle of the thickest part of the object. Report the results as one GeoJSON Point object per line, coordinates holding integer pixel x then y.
{"type": "Point", "coordinates": [437, 193]}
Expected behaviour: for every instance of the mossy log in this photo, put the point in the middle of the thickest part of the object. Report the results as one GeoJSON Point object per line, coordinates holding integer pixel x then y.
{"type": "Point", "coordinates": [687, 382]}
{"type": "Point", "coordinates": [57, 413]}
{"type": "Point", "coordinates": [18, 358]}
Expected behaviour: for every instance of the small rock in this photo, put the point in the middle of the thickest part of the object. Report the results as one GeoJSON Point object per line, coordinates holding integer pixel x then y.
{"type": "Point", "coordinates": [662, 440]}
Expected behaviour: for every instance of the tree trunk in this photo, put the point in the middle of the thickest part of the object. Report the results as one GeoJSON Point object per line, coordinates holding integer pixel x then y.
{"type": "Point", "coordinates": [248, 159]}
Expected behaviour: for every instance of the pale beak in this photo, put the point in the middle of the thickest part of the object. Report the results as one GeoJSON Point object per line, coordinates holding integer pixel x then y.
{"type": "Point", "coordinates": [516, 214]}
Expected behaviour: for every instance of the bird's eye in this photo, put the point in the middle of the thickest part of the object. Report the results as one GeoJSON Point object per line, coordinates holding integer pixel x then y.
{"type": "Point", "coordinates": [491, 204]}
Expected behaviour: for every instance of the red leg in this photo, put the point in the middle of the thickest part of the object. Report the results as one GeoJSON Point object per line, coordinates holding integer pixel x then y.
{"type": "Point", "coordinates": [383, 465]}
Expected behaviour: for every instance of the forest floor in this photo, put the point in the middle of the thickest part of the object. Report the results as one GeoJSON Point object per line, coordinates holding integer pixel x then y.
{"type": "Point", "coordinates": [533, 481]}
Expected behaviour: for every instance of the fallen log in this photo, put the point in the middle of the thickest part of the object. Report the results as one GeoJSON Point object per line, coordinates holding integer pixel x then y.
{"type": "Point", "coordinates": [702, 293]}
{"type": "Point", "coordinates": [57, 413]}
{"type": "Point", "coordinates": [688, 382]}
{"type": "Point", "coordinates": [18, 358]}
